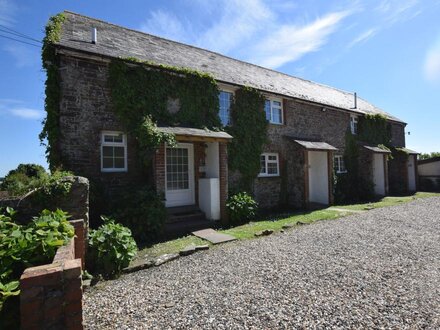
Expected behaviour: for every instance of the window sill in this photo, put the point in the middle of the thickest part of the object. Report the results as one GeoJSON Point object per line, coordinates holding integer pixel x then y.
{"type": "Point", "coordinates": [268, 176]}
{"type": "Point", "coordinates": [277, 124]}
{"type": "Point", "coordinates": [344, 172]}
{"type": "Point", "coordinates": [112, 170]}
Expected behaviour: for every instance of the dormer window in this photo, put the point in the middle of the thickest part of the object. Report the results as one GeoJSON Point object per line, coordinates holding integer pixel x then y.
{"type": "Point", "coordinates": [354, 124]}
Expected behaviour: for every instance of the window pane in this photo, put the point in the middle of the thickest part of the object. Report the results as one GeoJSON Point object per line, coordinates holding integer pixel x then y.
{"type": "Point", "coordinates": [118, 138]}
{"type": "Point", "coordinates": [267, 109]}
{"type": "Point", "coordinates": [107, 162]}
{"type": "Point", "coordinates": [262, 164]}
{"type": "Point", "coordinates": [272, 168]}
{"type": "Point", "coordinates": [273, 157]}
{"type": "Point", "coordinates": [276, 116]}
{"type": "Point", "coordinates": [107, 151]}
{"type": "Point", "coordinates": [225, 99]}
{"type": "Point", "coordinates": [118, 151]}
{"type": "Point", "coordinates": [277, 104]}
{"type": "Point", "coordinates": [119, 162]}
{"type": "Point", "coordinates": [108, 138]}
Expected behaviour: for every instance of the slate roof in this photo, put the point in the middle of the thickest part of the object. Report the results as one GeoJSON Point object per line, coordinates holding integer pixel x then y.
{"type": "Point", "coordinates": [117, 41]}
{"type": "Point", "coordinates": [185, 131]}
{"type": "Point", "coordinates": [409, 151]}
{"type": "Point", "coordinates": [430, 160]}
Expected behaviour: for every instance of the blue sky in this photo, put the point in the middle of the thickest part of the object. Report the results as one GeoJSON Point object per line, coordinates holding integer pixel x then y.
{"type": "Point", "coordinates": [388, 51]}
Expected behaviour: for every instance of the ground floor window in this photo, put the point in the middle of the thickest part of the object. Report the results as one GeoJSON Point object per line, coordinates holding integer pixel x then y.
{"type": "Point", "coordinates": [113, 152]}
{"type": "Point", "coordinates": [269, 165]}
{"type": "Point", "coordinates": [339, 164]}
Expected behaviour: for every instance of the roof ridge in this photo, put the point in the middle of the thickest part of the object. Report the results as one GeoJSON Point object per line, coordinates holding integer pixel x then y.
{"type": "Point", "coordinates": [216, 53]}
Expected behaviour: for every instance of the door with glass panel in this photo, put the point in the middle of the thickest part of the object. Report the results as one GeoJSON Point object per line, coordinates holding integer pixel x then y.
{"type": "Point", "coordinates": [179, 179]}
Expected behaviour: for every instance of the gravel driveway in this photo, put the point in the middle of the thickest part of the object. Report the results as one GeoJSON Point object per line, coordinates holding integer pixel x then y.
{"type": "Point", "coordinates": [379, 269]}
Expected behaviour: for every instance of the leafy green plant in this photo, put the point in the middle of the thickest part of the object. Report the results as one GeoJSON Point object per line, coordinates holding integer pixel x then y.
{"type": "Point", "coordinates": [51, 130]}
{"type": "Point", "coordinates": [111, 248]}
{"type": "Point", "coordinates": [23, 246]}
{"type": "Point", "coordinates": [143, 211]}
{"type": "Point", "coordinates": [242, 208]}
{"type": "Point", "coordinates": [249, 129]}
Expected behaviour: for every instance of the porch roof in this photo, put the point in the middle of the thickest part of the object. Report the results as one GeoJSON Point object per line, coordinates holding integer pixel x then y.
{"type": "Point", "coordinates": [196, 134]}
{"type": "Point", "coordinates": [377, 149]}
{"type": "Point", "coordinates": [315, 145]}
{"type": "Point", "coordinates": [408, 151]}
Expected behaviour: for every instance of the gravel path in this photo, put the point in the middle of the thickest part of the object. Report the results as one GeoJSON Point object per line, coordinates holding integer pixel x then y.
{"type": "Point", "coordinates": [378, 269]}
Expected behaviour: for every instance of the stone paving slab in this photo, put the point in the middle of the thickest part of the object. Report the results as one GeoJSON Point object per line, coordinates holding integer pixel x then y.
{"type": "Point", "coordinates": [213, 236]}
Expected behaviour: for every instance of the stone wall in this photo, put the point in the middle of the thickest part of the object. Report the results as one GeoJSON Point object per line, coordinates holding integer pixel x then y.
{"type": "Point", "coordinates": [398, 135]}
{"type": "Point", "coordinates": [85, 111]}
{"type": "Point", "coordinates": [76, 202]}
{"type": "Point", "coordinates": [302, 121]}
{"type": "Point", "coordinates": [51, 295]}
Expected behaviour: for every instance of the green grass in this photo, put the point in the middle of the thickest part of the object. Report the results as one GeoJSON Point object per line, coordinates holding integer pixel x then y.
{"type": "Point", "coordinates": [387, 201]}
{"type": "Point", "coordinates": [248, 231]}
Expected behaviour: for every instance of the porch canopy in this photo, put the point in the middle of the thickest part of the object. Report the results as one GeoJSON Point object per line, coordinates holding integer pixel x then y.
{"type": "Point", "coordinates": [408, 151]}
{"type": "Point", "coordinates": [313, 145]}
{"type": "Point", "coordinates": [196, 134]}
{"type": "Point", "coordinates": [377, 149]}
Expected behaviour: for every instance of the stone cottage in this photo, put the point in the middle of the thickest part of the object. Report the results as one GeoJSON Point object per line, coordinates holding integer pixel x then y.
{"type": "Point", "coordinates": [307, 125]}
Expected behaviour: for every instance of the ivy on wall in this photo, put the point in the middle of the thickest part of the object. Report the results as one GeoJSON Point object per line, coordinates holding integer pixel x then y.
{"type": "Point", "coordinates": [249, 129]}
{"type": "Point", "coordinates": [51, 128]}
{"type": "Point", "coordinates": [142, 91]}
{"type": "Point", "coordinates": [353, 186]}
{"type": "Point", "coordinates": [374, 129]}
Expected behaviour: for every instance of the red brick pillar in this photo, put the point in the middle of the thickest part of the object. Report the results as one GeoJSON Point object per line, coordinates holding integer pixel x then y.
{"type": "Point", "coordinates": [159, 169]}
{"type": "Point", "coordinates": [223, 158]}
{"type": "Point", "coordinates": [80, 240]}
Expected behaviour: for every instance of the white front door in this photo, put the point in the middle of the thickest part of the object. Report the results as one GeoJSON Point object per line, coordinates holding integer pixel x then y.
{"type": "Point", "coordinates": [379, 174]}
{"type": "Point", "coordinates": [179, 178]}
{"type": "Point", "coordinates": [411, 173]}
{"type": "Point", "coordinates": [318, 177]}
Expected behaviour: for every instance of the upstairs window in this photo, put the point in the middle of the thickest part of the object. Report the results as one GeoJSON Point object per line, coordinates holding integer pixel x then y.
{"type": "Point", "coordinates": [274, 111]}
{"type": "Point", "coordinates": [269, 165]}
{"type": "Point", "coordinates": [354, 124]}
{"type": "Point", "coordinates": [225, 100]}
{"type": "Point", "coordinates": [113, 152]}
{"type": "Point", "coordinates": [339, 164]}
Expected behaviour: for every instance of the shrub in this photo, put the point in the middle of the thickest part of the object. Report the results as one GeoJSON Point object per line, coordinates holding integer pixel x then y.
{"type": "Point", "coordinates": [111, 248]}
{"type": "Point", "coordinates": [144, 212]}
{"type": "Point", "coordinates": [23, 246]}
{"type": "Point", "coordinates": [242, 208]}
{"type": "Point", "coordinates": [27, 177]}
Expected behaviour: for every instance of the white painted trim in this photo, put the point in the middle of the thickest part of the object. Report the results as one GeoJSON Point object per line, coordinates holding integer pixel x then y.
{"type": "Point", "coordinates": [266, 154]}
{"type": "Point", "coordinates": [114, 144]}
{"type": "Point", "coordinates": [271, 99]}
{"type": "Point", "coordinates": [191, 178]}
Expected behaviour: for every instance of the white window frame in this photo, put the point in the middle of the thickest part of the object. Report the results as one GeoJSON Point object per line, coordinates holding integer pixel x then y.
{"type": "Point", "coordinates": [113, 144]}
{"type": "Point", "coordinates": [354, 119]}
{"type": "Point", "coordinates": [230, 91]}
{"type": "Point", "coordinates": [337, 160]}
{"type": "Point", "coordinates": [272, 100]}
{"type": "Point", "coordinates": [267, 161]}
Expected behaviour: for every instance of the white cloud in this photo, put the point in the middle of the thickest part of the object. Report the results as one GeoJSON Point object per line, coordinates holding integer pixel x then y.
{"type": "Point", "coordinates": [363, 37]}
{"type": "Point", "coordinates": [238, 22]}
{"type": "Point", "coordinates": [7, 10]}
{"type": "Point", "coordinates": [167, 25]}
{"type": "Point", "coordinates": [431, 66]}
{"type": "Point", "coordinates": [394, 11]}
{"type": "Point", "coordinates": [289, 42]}
{"type": "Point", "coordinates": [27, 113]}
{"type": "Point", "coordinates": [17, 108]}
